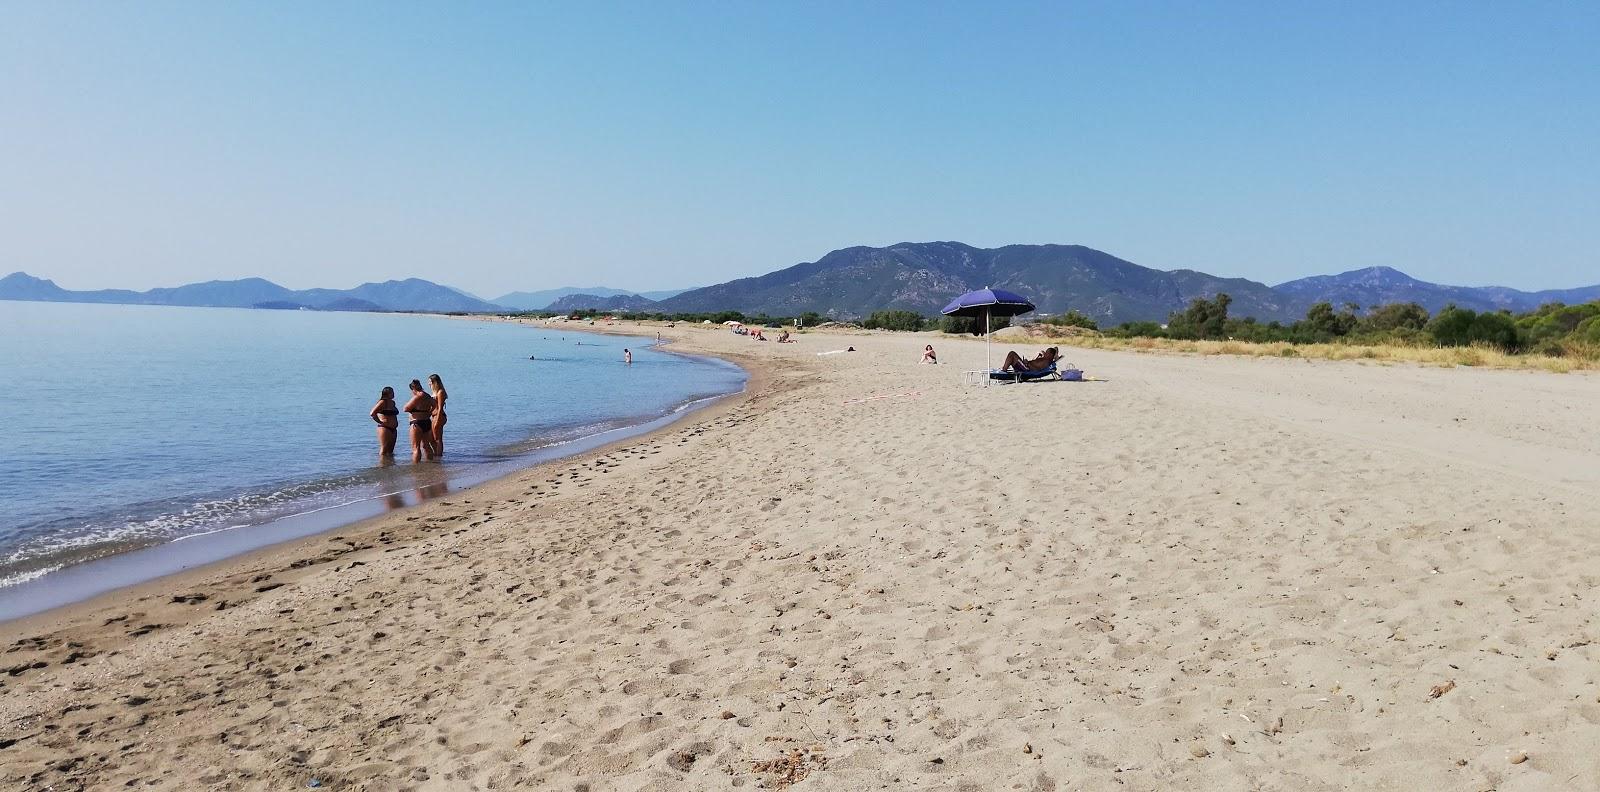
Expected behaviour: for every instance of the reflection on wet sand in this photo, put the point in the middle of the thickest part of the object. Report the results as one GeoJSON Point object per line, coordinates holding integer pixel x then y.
{"type": "Point", "coordinates": [425, 482]}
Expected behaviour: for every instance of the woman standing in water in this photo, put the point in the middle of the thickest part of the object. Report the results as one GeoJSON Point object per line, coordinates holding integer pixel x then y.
{"type": "Point", "coordinates": [420, 408]}
{"type": "Point", "coordinates": [439, 395]}
{"type": "Point", "coordinates": [385, 415]}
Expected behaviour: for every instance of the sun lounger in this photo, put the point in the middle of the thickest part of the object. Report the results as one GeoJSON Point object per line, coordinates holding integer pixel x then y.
{"type": "Point", "coordinates": [1048, 372]}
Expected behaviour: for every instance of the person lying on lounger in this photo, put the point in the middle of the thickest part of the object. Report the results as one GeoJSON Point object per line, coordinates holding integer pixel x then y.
{"type": "Point", "coordinates": [1014, 361]}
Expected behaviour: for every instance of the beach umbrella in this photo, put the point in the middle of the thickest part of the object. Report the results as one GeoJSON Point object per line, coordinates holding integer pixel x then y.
{"type": "Point", "coordinates": [988, 303]}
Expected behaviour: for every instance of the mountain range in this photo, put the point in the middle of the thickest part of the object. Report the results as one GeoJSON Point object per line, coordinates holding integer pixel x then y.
{"type": "Point", "coordinates": [547, 298]}
{"type": "Point", "coordinates": [1382, 285]}
{"type": "Point", "coordinates": [411, 294]}
{"type": "Point", "coordinates": [853, 282]}
{"type": "Point", "coordinates": [924, 276]}
{"type": "Point", "coordinates": [616, 303]}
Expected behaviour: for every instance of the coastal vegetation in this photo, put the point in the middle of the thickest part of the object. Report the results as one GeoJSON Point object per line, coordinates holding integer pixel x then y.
{"type": "Point", "coordinates": [1554, 336]}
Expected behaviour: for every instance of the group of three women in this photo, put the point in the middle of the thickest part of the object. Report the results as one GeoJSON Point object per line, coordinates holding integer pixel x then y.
{"type": "Point", "coordinates": [427, 420]}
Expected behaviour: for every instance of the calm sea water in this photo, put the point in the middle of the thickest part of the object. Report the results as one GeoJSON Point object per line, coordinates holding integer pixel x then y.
{"type": "Point", "coordinates": [132, 426]}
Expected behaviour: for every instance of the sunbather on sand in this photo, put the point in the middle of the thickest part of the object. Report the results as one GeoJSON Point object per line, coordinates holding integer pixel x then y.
{"type": "Point", "coordinates": [1014, 361]}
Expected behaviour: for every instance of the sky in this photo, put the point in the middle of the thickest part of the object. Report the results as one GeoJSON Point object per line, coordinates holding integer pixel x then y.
{"type": "Point", "coordinates": [654, 145]}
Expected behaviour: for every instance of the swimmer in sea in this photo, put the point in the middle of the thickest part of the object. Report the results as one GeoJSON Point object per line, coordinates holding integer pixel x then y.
{"type": "Point", "coordinates": [385, 415]}
{"type": "Point", "coordinates": [420, 408]}
{"type": "Point", "coordinates": [439, 418]}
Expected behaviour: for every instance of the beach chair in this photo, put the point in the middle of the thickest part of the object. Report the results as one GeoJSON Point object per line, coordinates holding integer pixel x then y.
{"type": "Point", "coordinates": [1046, 373]}
{"type": "Point", "coordinates": [1064, 372]}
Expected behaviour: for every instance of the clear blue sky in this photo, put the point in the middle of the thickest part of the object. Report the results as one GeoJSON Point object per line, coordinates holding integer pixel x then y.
{"type": "Point", "coordinates": [652, 145]}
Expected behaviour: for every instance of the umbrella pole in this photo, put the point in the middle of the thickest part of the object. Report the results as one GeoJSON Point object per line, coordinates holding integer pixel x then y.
{"type": "Point", "coordinates": [988, 343]}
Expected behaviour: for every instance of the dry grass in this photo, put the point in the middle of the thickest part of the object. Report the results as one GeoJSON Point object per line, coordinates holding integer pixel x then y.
{"type": "Point", "coordinates": [1578, 359]}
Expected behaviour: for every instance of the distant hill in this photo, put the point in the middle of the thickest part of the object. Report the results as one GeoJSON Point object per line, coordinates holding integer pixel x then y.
{"type": "Point", "coordinates": [924, 276]}
{"type": "Point", "coordinates": [853, 282]}
{"type": "Point", "coordinates": [662, 294]}
{"type": "Point", "coordinates": [351, 304]}
{"type": "Point", "coordinates": [616, 302]}
{"type": "Point", "coordinates": [412, 294]}
{"type": "Point", "coordinates": [542, 300]}
{"type": "Point", "coordinates": [1381, 285]}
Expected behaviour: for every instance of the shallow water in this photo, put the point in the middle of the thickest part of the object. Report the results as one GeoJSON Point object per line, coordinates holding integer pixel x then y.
{"type": "Point", "coordinates": [134, 426]}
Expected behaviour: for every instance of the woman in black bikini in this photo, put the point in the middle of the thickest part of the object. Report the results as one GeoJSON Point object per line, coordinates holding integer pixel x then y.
{"type": "Point", "coordinates": [420, 408]}
{"type": "Point", "coordinates": [384, 415]}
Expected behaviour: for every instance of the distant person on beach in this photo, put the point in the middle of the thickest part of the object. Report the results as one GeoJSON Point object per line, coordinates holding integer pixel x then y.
{"type": "Point", "coordinates": [439, 396]}
{"type": "Point", "coordinates": [928, 355]}
{"type": "Point", "coordinates": [386, 417]}
{"type": "Point", "coordinates": [420, 408]}
{"type": "Point", "coordinates": [627, 356]}
{"type": "Point", "coordinates": [783, 337]}
{"type": "Point", "coordinates": [1014, 361]}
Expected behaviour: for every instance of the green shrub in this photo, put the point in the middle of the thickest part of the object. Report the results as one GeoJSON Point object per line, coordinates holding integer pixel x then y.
{"type": "Point", "coordinates": [1395, 316]}
{"type": "Point", "coordinates": [1071, 319]}
{"type": "Point", "coordinates": [1323, 321]}
{"type": "Point", "coordinates": [1202, 319]}
{"type": "Point", "coordinates": [1464, 327]}
{"type": "Point", "coordinates": [1138, 330]}
{"type": "Point", "coordinates": [895, 320]}
{"type": "Point", "coordinates": [1588, 331]}
{"type": "Point", "coordinates": [964, 325]}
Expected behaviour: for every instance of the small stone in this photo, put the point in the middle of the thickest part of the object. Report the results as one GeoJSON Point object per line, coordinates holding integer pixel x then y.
{"type": "Point", "coordinates": [1227, 739]}
{"type": "Point", "coordinates": [1199, 751]}
{"type": "Point", "coordinates": [1027, 748]}
{"type": "Point", "coordinates": [1519, 757]}
{"type": "Point", "coordinates": [727, 714]}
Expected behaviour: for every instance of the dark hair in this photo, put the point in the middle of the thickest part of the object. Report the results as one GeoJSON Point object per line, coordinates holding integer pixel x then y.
{"type": "Point", "coordinates": [386, 393]}
{"type": "Point", "coordinates": [416, 386]}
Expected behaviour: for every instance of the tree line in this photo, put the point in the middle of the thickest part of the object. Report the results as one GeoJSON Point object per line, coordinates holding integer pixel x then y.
{"type": "Point", "coordinates": [1554, 328]}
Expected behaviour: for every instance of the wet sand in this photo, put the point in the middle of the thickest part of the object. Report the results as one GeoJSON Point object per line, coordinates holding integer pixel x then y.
{"type": "Point", "coordinates": [1213, 573]}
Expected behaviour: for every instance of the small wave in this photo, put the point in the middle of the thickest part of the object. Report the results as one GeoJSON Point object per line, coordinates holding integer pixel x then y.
{"type": "Point", "coordinates": [14, 578]}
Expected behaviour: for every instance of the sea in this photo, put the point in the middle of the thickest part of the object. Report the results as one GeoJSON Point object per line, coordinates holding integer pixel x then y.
{"type": "Point", "coordinates": [168, 437]}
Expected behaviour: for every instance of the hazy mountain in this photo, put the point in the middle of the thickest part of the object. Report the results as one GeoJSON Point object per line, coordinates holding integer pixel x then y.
{"type": "Point", "coordinates": [540, 300]}
{"type": "Point", "coordinates": [1381, 285]}
{"type": "Point", "coordinates": [662, 294]}
{"type": "Point", "coordinates": [923, 277]}
{"type": "Point", "coordinates": [22, 286]}
{"type": "Point", "coordinates": [238, 293]}
{"type": "Point", "coordinates": [351, 304]}
{"type": "Point", "coordinates": [615, 302]}
{"type": "Point", "coordinates": [854, 282]}
{"type": "Point", "coordinates": [412, 294]}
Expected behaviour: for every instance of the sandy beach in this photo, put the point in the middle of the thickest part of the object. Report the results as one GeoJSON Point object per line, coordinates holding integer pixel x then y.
{"type": "Point", "coordinates": [1203, 573]}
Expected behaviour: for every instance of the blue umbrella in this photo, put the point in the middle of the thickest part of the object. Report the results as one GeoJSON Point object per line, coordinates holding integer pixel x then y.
{"type": "Point", "coordinates": [988, 303]}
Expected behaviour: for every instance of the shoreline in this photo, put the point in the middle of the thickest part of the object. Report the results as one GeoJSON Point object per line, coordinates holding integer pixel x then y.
{"type": "Point", "coordinates": [1202, 572]}
{"type": "Point", "coordinates": [110, 577]}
